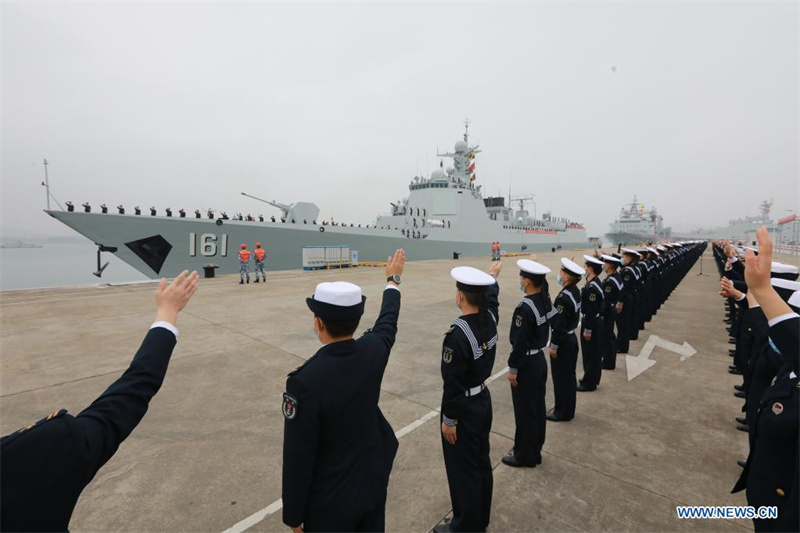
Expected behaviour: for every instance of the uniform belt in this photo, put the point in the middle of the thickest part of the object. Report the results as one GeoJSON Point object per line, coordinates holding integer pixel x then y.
{"type": "Point", "coordinates": [474, 391]}
{"type": "Point", "coordinates": [533, 352]}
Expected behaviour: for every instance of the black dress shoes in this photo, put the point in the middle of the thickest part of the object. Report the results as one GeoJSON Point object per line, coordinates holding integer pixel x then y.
{"type": "Point", "coordinates": [743, 427]}
{"type": "Point", "coordinates": [740, 394]}
{"type": "Point", "coordinates": [582, 388]}
{"type": "Point", "coordinates": [511, 460]}
{"type": "Point", "coordinates": [739, 387]}
{"type": "Point", "coordinates": [741, 420]}
{"type": "Point", "coordinates": [734, 371]}
{"type": "Point", "coordinates": [741, 463]}
{"type": "Point", "coordinates": [552, 417]}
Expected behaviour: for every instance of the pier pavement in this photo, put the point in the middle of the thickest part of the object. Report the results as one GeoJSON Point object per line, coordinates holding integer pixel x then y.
{"type": "Point", "coordinates": [207, 456]}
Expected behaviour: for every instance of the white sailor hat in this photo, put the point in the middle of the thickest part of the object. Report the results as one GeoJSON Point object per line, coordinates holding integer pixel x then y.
{"type": "Point", "coordinates": [754, 250]}
{"type": "Point", "coordinates": [794, 299]}
{"type": "Point", "coordinates": [593, 260]}
{"type": "Point", "coordinates": [469, 278]}
{"type": "Point", "coordinates": [790, 271]}
{"type": "Point", "coordinates": [337, 300]}
{"type": "Point", "coordinates": [532, 267]}
{"type": "Point", "coordinates": [631, 252]}
{"type": "Point", "coordinates": [785, 287]}
{"type": "Point", "coordinates": [572, 267]}
{"type": "Point", "coordinates": [610, 258]}
{"type": "Point", "coordinates": [652, 250]}
{"type": "Point", "coordinates": [661, 248]}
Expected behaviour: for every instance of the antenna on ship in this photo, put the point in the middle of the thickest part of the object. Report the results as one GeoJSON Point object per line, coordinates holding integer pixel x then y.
{"type": "Point", "coordinates": [46, 185]}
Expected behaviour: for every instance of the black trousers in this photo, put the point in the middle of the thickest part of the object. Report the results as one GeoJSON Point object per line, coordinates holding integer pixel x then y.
{"type": "Point", "coordinates": [592, 357]}
{"type": "Point", "coordinates": [634, 316]}
{"type": "Point", "coordinates": [564, 379]}
{"type": "Point", "coordinates": [530, 411]}
{"type": "Point", "coordinates": [374, 520]}
{"type": "Point", "coordinates": [469, 469]}
{"type": "Point", "coordinates": [609, 349]}
{"type": "Point", "coordinates": [624, 326]}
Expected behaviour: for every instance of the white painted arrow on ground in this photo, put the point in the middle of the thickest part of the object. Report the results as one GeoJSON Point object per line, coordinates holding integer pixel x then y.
{"type": "Point", "coordinates": [638, 364]}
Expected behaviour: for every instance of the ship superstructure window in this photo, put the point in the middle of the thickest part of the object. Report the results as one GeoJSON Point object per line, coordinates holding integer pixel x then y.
{"type": "Point", "coordinates": [152, 250]}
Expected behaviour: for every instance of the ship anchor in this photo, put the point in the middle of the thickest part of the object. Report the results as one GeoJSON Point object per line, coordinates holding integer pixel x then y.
{"type": "Point", "coordinates": [100, 249]}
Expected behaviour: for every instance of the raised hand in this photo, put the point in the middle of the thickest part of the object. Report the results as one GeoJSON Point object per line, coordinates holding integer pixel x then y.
{"type": "Point", "coordinates": [172, 298]}
{"type": "Point", "coordinates": [495, 269]}
{"type": "Point", "coordinates": [757, 269]}
{"type": "Point", "coordinates": [395, 264]}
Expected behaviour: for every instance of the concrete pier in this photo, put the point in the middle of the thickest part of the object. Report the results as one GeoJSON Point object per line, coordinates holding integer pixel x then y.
{"type": "Point", "coordinates": [207, 456]}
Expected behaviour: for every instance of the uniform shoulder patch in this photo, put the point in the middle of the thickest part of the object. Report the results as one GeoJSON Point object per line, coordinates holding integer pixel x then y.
{"type": "Point", "coordinates": [560, 308]}
{"type": "Point", "coordinates": [518, 320]}
{"type": "Point", "coordinates": [447, 355]}
{"type": "Point", "coordinates": [592, 297]}
{"type": "Point", "coordinates": [608, 289]}
{"type": "Point", "coordinates": [289, 406]}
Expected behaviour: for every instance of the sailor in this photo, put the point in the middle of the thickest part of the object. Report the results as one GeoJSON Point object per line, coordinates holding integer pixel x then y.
{"type": "Point", "coordinates": [272, 218]}
{"type": "Point", "coordinates": [121, 209]}
{"type": "Point", "coordinates": [70, 207]}
{"type": "Point", "coordinates": [612, 286]}
{"type": "Point", "coordinates": [46, 465]}
{"type": "Point", "coordinates": [563, 347]}
{"type": "Point", "coordinates": [197, 213]}
{"type": "Point", "coordinates": [260, 257]}
{"type": "Point", "coordinates": [244, 270]}
{"type": "Point", "coordinates": [210, 214]}
{"type": "Point", "coordinates": [592, 329]}
{"type": "Point", "coordinates": [152, 211]}
{"type": "Point", "coordinates": [137, 210]}
{"type": "Point", "coordinates": [261, 218]}
{"type": "Point", "coordinates": [87, 208]}
{"type": "Point", "coordinates": [103, 208]}
{"type": "Point", "coordinates": [169, 211]}
{"type": "Point", "coordinates": [527, 366]}
{"type": "Point", "coordinates": [338, 448]}
{"type": "Point", "coordinates": [468, 353]}
{"type": "Point", "coordinates": [224, 215]}
{"type": "Point", "coordinates": [625, 301]}
{"type": "Point", "coordinates": [182, 213]}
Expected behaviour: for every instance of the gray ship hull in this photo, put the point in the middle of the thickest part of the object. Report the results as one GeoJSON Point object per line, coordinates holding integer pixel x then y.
{"type": "Point", "coordinates": [631, 238]}
{"type": "Point", "coordinates": [164, 246]}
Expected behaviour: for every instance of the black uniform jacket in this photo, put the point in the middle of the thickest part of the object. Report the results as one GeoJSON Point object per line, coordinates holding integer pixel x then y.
{"type": "Point", "coordinates": [529, 328]}
{"type": "Point", "coordinates": [786, 336]}
{"type": "Point", "coordinates": [567, 306]}
{"type": "Point", "coordinates": [46, 465]}
{"type": "Point", "coordinates": [592, 301]}
{"type": "Point", "coordinates": [612, 286]}
{"type": "Point", "coordinates": [628, 284]}
{"type": "Point", "coordinates": [338, 448]}
{"type": "Point", "coordinates": [467, 359]}
{"type": "Point", "coordinates": [771, 473]}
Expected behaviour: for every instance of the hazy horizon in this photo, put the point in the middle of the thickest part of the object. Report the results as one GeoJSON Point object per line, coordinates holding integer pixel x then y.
{"type": "Point", "coordinates": [690, 106]}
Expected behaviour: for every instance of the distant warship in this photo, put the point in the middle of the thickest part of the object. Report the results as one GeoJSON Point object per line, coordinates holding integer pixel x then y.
{"type": "Point", "coordinates": [637, 225]}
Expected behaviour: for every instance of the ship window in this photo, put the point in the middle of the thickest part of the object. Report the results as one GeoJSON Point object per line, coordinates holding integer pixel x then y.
{"type": "Point", "coordinates": [152, 250]}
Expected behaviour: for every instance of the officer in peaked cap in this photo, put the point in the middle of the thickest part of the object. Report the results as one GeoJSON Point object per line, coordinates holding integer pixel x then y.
{"type": "Point", "coordinates": [468, 353]}
{"type": "Point", "coordinates": [612, 286]}
{"type": "Point", "coordinates": [563, 347]}
{"type": "Point", "coordinates": [527, 366]}
{"type": "Point", "coordinates": [338, 448]}
{"type": "Point", "coordinates": [591, 325]}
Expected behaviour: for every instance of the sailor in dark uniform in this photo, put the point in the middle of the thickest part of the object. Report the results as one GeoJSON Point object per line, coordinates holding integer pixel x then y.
{"type": "Point", "coordinates": [563, 349]}
{"type": "Point", "coordinates": [468, 353]}
{"type": "Point", "coordinates": [591, 326]}
{"type": "Point", "coordinates": [338, 448]}
{"type": "Point", "coordinates": [46, 465]}
{"type": "Point", "coordinates": [625, 303]}
{"type": "Point", "coordinates": [527, 366]}
{"type": "Point", "coordinates": [772, 475]}
{"type": "Point", "coordinates": [612, 286]}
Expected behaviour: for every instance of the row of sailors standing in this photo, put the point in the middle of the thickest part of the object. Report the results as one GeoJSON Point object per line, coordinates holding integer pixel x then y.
{"type": "Point", "coordinates": [762, 300]}
{"type": "Point", "coordinates": [539, 326]}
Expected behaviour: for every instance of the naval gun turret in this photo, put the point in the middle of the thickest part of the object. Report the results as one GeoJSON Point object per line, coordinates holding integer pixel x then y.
{"type": "Point", "coordinates": [297, 211]}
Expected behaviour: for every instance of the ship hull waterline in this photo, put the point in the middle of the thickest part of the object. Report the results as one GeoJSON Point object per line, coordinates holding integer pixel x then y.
{"type": "Point", "coordinates": [194, 243]}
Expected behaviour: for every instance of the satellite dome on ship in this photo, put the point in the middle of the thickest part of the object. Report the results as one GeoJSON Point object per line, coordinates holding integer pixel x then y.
{"type": "Point", "coordinates": [438, 175]}
{"type": "Point", "coordinates": [461, 146]}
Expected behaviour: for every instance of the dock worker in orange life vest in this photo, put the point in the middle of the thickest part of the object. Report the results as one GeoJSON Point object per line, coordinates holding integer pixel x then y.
{"type": "Point", "coordinates": [244, 259]}
{"type": "Point", "coordinates": [260, 258]}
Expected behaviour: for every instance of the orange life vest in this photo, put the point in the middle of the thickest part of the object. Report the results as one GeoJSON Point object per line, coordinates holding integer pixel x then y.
{"type": "Point", "coordinates": [260, 254]}
{"type": "Point", "coordinates": [244, 255]}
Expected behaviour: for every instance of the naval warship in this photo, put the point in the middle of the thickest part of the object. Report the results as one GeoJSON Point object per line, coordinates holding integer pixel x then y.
{"type": "Point", "coordinates": [636, 225]}
{"type": "Point", "coordinates": [742, 229]}
{"type": "Point", "coordinates": [444, 215]}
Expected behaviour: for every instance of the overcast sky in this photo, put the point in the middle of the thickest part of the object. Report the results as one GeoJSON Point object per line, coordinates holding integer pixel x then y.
{"type": "Point", "coordinates": [691, 106]}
